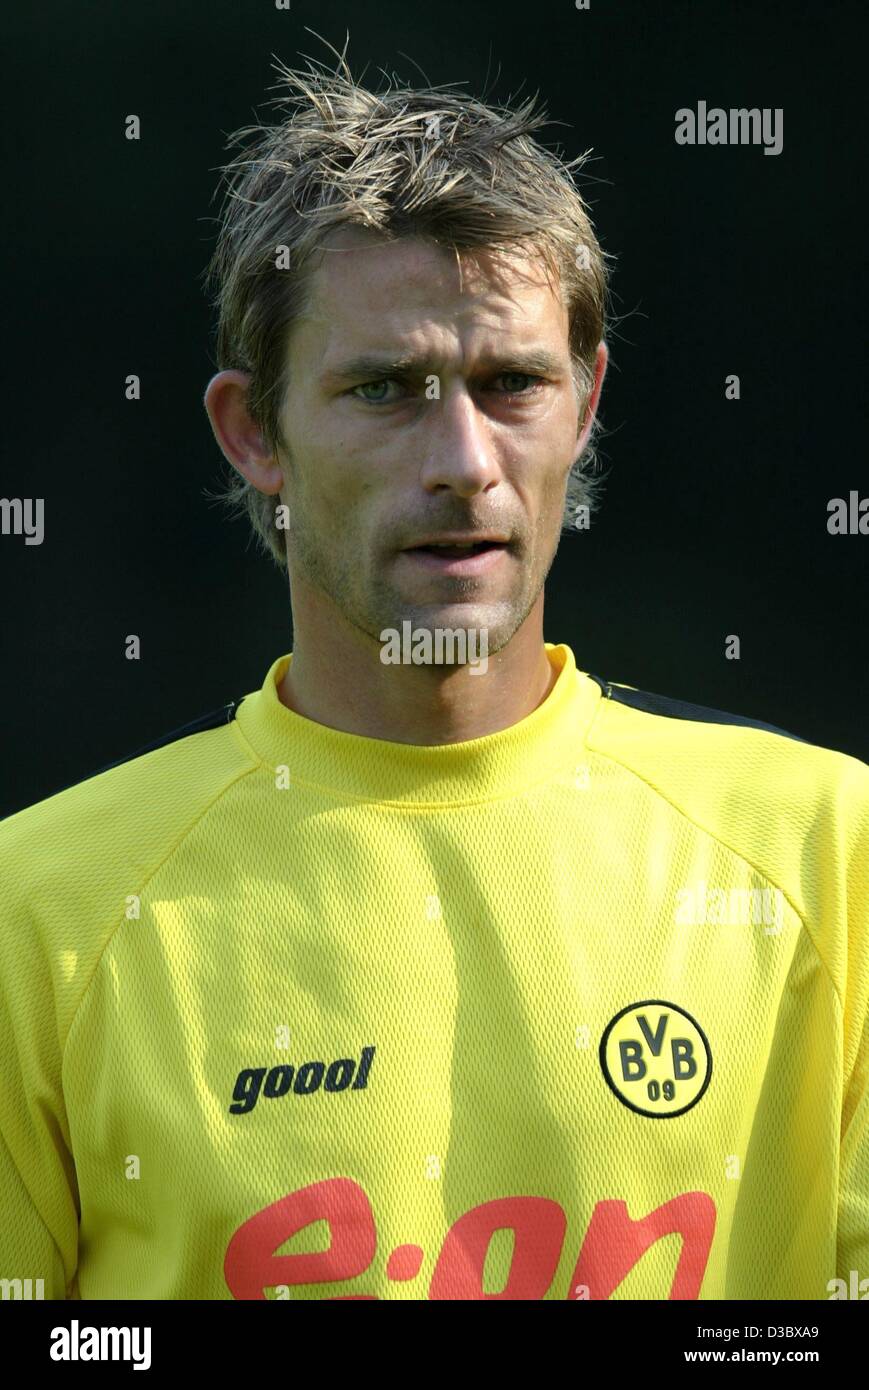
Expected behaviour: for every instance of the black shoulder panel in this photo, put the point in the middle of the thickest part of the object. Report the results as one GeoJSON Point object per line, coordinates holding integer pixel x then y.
{"type": "Point", "coordinates": [681, 709]}
{"type": "Point", "coordinates": [212, 720]}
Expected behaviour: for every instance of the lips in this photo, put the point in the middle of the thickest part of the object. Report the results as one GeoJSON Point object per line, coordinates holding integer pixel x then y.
{"type": "Point", "coordinates": [457, 552]}
{"type": "Point", "coordinates": [457, 560]}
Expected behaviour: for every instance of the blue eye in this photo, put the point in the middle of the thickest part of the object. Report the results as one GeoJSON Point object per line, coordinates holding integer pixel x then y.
{"type": "Point", "coordinates": [376, 386]}
{"type": "Point", "coordinates": [522, 376]}
{"type": "Point", "coordinates": [376, 392]}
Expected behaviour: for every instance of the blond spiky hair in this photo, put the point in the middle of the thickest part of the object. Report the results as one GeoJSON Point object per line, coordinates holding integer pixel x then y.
{"type": "Point", "coordinates": [428, 162]}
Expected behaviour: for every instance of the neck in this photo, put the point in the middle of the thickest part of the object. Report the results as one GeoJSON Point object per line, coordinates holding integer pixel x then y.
{"type": "Point", "coordinates": [343, 684]}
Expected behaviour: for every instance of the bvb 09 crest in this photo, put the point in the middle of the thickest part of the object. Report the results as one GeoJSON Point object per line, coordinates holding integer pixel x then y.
{"type": "Point", "coordinates": [655, 1057]}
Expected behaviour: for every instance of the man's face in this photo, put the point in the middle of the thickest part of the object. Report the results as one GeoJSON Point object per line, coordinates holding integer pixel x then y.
{"type": "Point", "coordinates": [476, 432]}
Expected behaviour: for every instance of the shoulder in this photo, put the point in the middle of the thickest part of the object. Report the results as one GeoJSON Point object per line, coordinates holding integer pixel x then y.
{"type": "Point", "coordinates": [69, 862]}
{"type": "Point", "coordinates": [797, 812]}
{"type": "Point", "coordinates": [690, 747]}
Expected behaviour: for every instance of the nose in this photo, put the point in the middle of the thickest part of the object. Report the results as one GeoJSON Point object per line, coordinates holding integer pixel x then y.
{"type": "Point", "coordinates": [460, 452]}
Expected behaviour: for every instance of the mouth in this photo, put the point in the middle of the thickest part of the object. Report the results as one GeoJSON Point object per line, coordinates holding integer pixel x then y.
{"type": "Point", "coordinates": [458, 559]}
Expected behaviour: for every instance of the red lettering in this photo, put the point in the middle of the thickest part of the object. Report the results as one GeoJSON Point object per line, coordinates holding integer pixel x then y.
{"type": "Point", "coordinates": [538, 1225]}
{"type": "Point", "coordinates": [251, 1264]}
{"type": "Point", "coordinates": [614, 1244]}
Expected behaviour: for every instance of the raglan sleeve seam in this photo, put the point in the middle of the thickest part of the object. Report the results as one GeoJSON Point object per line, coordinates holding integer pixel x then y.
{"type": "Point", "coordinates": [739, 854]}
{"type": "Point", "coordinates": [173, 848]}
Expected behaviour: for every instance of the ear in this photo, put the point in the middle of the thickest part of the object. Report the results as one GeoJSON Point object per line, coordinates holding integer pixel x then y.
{"type": "Point", "coordinates": [600, 367]}
{"type": "Point", "coordinates": [238, 436]}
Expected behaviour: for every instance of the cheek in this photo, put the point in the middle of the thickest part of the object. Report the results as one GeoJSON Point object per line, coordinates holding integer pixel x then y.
{"type": "Point", "coordinates": [543, 480]}
{"type": "Point", "coordinates": [546, 507]}
{"type": "Point", "coordinates": [321, 479]}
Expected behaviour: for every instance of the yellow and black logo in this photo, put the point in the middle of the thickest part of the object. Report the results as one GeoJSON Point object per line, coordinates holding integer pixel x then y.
{"type": "Point", "coordinates": [655, 1057]}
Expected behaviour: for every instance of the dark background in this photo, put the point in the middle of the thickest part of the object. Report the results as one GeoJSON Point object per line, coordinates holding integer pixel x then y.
{"type": "Point", "coordinates": [728, 261]}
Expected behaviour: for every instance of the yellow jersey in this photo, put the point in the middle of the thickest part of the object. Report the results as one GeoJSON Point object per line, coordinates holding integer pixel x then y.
{"type": "Point", "coordinates": [576, 1010]}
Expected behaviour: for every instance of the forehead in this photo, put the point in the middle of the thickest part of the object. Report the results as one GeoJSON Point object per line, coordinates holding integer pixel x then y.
{"type": "Point", "coordinates": [360, 282]}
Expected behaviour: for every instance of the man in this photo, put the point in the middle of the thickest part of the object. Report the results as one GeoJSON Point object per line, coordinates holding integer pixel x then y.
{"type": "Point", "coordinates": [436, 967]}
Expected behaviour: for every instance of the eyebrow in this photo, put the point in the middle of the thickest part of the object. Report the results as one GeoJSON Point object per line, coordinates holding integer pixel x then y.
{"type": "Point", "coordinates": [530, 361]}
